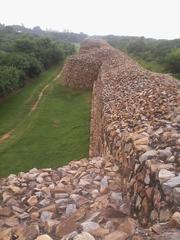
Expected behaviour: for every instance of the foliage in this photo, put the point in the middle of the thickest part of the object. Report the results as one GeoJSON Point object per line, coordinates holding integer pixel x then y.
{"type": "Point", "coordinates": [9, 79]}
{"type": "Point", "coordinates": [29, 55]}
{"type": "Point", "coordinates": [65, 36]}
{"type": "Point", "coordinates": [173, 61]}
{"type": "Point", "coordinates": [156, 55]}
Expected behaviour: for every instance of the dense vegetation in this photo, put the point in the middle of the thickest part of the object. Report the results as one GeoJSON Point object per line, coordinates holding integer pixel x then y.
{"type": "Point", "coordinates": [65, 36]}
{"type": "Point", "coordinates": [156, 55]}
{"type": "Point", "coordinates": [24, 56]}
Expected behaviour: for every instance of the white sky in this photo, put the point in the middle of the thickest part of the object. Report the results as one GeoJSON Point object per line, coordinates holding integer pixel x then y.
{"type": "Point", "coordinates": [149, 18]}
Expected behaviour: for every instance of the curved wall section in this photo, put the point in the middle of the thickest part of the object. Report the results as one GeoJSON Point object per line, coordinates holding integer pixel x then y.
{"type": "Point", "coordinates": [135, 122]}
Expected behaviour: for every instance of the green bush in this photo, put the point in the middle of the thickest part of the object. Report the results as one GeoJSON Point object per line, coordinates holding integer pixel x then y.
{"type": "Point", "coordinates": [48, 52]}
{"type": "Point", "coordinates": [26, 56]}
{"type": "Point", "coordinates": [156, 55]}
{"type": "Point", "coordinates": [173, 61]}
{"type": "Point", "coordinates": [25, 45]}
{"type": "Point", "coordinates": [28, 65]}
{"type": "Point", "coordinates": [9, 80]}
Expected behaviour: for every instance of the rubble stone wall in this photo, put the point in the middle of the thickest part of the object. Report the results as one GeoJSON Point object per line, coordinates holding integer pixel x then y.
{"type": "Point", "coordinates": [135, 122]}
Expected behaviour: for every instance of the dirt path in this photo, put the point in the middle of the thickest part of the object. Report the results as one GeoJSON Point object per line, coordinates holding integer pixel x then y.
{"type": "Point", "coordinates": [42, 92]}
{"type": "Point", "coordinates": [8, 134]}
{"type": "Point", "coordinates": [39, 98]}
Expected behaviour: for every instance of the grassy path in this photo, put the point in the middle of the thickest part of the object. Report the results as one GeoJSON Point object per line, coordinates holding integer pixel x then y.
{"type": "Point", "coordinates": [44, 125]}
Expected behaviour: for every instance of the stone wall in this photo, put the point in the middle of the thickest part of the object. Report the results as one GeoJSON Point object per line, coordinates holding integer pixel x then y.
{"type": "Point", "coordinates": [135, 122]}
{"type": "Point", "coordinates": [84, 67]}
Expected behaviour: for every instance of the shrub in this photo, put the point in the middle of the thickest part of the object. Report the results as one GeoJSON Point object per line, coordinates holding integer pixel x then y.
{"type": "Point", "coordinates": [9, 80]}
{"type": "Point", "coordinates": [173, 61]}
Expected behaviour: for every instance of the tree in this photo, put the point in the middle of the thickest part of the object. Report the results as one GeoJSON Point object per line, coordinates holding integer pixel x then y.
{"type": "Point", "coordinates": [69, 49]}
{"type": "Point", "coordinates": [173, 61]}
{"type": "Point", "coordinates": [9, 80]}
{"type": "Point", "coordinates": [27, 64]}
{"type": "Point", "coordinates": [25, 45]}
{"type": "Point", "coordinates": [24, 55]}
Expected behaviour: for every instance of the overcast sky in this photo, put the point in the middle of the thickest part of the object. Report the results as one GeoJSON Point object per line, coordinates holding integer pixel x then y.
{"type": "Point", "coordinates": [149, 18]}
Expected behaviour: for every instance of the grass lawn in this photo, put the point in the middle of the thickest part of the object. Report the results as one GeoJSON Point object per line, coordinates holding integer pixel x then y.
{"type": "Point", "coordinates": [52, 135]}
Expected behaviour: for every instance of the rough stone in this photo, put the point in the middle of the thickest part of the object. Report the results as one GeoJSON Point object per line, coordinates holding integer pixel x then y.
{"type": "Point", "coordinates": [168, 236]}
{"type": "Point", "coordinates": [147, 155]}
{"type": "Point", "coordinates": [6, 211]}
{"type": "Point", "coordinates": [95, 193]}
{"type": "Point", "coordinates": [176, 193]}
{"type": "Point", "coordinates": [6, 234]}
{"type": "Point", "coordinates": [90, 226]}
{"type": "Point", "coordinates": [45, 215]}
{"type": "Point", "coordinates": [32, 200]}
{"type": "Point", "coordinates": [156, 228]}
{"type": "Point", "coordinates": [164, 215]}
{"type": "Point", "coordinates": [171, 184]}
{"type": "Point", "coordinates": [44, 237]}
{"type": "Point", "coordinates": [50, 225]}
{"type": "Point", "coordinates": [116, 196]}
{"type": "Point", "coordinates": [128, 226]}
{"type": "Point", "coordinates": [104, 185]}
{"type": "Point", "coordinates": [12, 221]}
{"type": "Point", "coordinates": [15, 189]}
{"type": "Point", "coordinates": [176, 218]}
{"type": "Point", "coordinates": [165, 175]}
{"type": "Point", "coordinates": [71, 208]}
{"type": "Point", "coordinates": [116, 235]}
{"type": "Point", "coordinates": [27, 232]}
{"type": "Point", "coordinates": [165, 153]}
{"type": "Point", "coordinates": [84, 236]}
{"type": "Point", "coordinates": [66, 227]}
{"type": "Point", "coordinates": [100, 232]}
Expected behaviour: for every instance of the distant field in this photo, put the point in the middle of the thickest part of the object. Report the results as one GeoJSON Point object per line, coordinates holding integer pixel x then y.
{"type": "Point", "coordinates": [56, 132]}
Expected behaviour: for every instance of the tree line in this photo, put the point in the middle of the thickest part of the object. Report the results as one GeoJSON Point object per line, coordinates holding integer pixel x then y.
{"type": "Point", "coordinates": [156, 55]}
{"type": "Point", "coordinates": [65, 36]}
{"type": "Point", "coordinates": [24, 56]}
{"type": "Point", "coordinates": [25, 53]}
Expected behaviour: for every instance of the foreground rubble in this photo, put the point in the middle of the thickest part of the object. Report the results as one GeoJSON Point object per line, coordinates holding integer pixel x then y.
{"type": "Point", "coordinates": [81, 201]}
